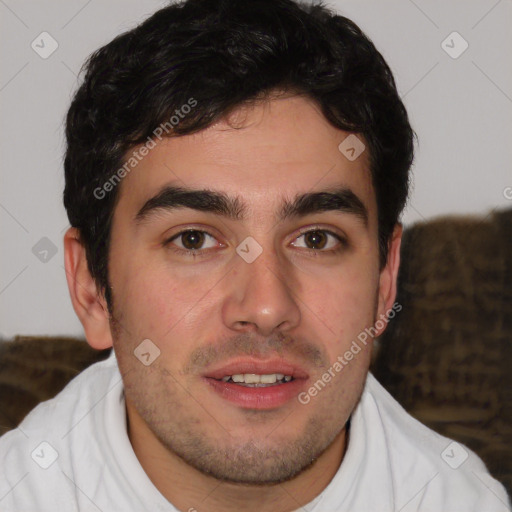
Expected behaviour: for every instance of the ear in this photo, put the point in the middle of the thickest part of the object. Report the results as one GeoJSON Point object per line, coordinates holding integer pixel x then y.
{"type": "Point", "coordinates": [88, 301]}
{"type": "Point", "coordinates": [388, 278]}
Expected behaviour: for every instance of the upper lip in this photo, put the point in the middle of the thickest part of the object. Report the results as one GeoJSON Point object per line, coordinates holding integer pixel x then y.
{"type": "Point", "coordinates": [256, 366]}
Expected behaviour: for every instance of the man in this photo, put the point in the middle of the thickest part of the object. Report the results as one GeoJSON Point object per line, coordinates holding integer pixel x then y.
{"type": "Point", "coordinates": [235, 172]}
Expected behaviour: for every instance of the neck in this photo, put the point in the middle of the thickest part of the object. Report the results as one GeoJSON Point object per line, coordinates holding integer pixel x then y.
{"type": "Point", "coordinates": [189, 489]}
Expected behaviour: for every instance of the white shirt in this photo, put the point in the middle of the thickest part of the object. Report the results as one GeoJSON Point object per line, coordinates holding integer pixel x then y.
{"type": "Point", "coordinates": [73, 453]}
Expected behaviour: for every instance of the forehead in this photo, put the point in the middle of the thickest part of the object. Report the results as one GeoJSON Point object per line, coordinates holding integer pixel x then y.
{"type": "Point", "coordinates": [263, 152]}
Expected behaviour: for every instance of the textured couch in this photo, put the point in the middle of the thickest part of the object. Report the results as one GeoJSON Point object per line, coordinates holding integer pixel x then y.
{"type": "Point", "coordinates": [446, 357]}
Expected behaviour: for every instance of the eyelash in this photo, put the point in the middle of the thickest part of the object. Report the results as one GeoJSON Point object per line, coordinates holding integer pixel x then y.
{"type": "Point", "coordinates": [343, 244]}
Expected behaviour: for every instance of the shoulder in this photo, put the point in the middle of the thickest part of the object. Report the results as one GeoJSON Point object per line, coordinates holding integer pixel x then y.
{"type": "Point", "coordinates": [430, 470]}
{"type": "Point", "coordinates": [32, 455]}
{"type": "Point", "coordinates": [79, 395]}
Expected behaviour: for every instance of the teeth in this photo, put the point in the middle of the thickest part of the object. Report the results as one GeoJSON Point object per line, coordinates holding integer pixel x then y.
{"type": "Point", "coordinates": [253, 378]}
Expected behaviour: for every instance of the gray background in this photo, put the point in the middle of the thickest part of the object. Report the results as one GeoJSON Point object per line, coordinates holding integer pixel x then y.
{"type": "Point", "coordinates": [461, 109]}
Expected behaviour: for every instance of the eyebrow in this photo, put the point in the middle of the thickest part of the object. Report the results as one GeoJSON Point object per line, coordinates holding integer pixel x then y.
{"type": "Point", "coordinates": [338, 199]}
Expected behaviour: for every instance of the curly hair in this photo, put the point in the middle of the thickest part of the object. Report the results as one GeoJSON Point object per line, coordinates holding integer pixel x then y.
{"type": "Point", "coordinates": [223, 53]}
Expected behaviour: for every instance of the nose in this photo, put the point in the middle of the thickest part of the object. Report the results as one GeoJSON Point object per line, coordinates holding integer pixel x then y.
{"type": "Point", "coordinates": [261, 296]}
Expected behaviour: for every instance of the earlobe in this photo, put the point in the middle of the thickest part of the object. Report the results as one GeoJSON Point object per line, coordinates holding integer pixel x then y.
{"type": "Point", "coordinates": [389, 275]}
{"type": "Point", "coordinates": [88, 301]}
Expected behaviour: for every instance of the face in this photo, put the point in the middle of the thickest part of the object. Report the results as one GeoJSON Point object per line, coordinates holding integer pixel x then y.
{"type": "Point", "coordinates": [273, 273]}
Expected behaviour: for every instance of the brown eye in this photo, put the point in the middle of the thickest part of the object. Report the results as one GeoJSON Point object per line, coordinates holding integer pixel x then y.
{"type": "Point", "coordinates": [192, 240]}
{"type": "Point", "coordinates": [315, 239]}
{"type": "Point", "coordinates": [320, 240]}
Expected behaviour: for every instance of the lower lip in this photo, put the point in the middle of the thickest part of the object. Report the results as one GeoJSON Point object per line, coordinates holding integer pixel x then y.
{"type": "Point", "coordinates": [269, 397]}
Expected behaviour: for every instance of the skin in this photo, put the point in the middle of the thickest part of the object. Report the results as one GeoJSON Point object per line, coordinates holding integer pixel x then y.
{"type": "Point", "coordinates": [295, 300]}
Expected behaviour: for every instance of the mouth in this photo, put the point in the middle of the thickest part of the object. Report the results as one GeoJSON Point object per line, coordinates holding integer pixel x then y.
{"type": "Point", "coordinates": [253, 384]}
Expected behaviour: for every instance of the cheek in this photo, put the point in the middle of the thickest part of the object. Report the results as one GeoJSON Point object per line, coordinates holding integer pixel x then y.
{"type": "Point", "coordinates": [345, 296]}
{"type": "Point", "coordinates": [154, 302]}
{"type": "Point", "coordinates": [345, 304]}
